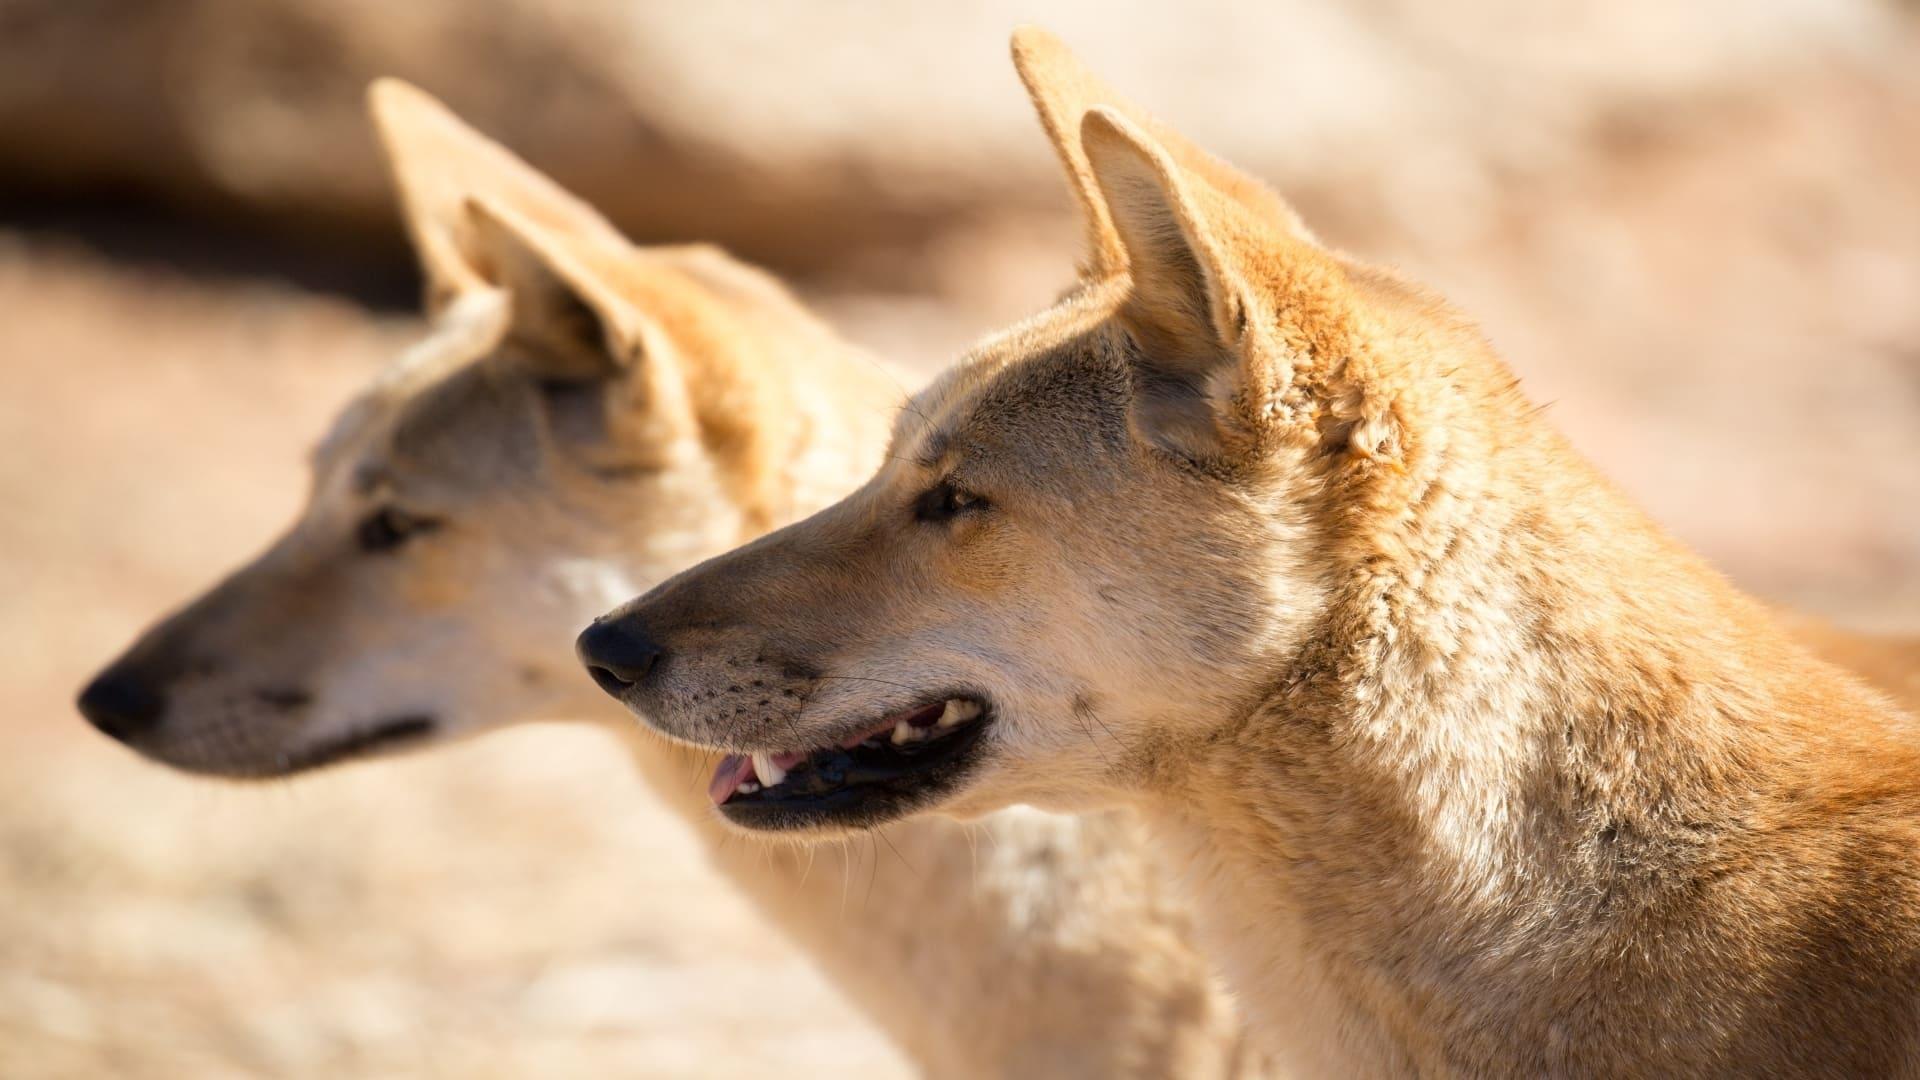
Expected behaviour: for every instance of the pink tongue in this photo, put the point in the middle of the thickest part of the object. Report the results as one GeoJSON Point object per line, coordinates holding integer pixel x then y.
{"type": "Point", "coordinates": [727, 777]}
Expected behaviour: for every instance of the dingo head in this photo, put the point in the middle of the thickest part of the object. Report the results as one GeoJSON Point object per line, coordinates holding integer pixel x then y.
{"type": "Point", "coordinates": [583, 419]}
{"type": "Point", "coordinates": [1098, 535]}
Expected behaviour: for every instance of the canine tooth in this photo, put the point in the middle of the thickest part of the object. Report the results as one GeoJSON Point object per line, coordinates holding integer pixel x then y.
{"type": "Point", "coordinates": [958, 712]}
{"type": "Point", "coordinates": [904, 733]}
{"type": "Point", "coordinates": [768, 772]}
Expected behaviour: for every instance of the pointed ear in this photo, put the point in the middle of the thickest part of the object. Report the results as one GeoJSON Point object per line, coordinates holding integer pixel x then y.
{"type": "Point", "coordinates": [437, 163]}
{"type": "Point", "coordinates": [1063, 90]}
{"type": "Point", "coordinates": [1187, 309]}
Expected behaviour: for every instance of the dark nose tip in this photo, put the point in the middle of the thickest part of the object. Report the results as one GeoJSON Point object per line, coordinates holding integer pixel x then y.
{"type": "Point", "coordinates": [122, 704]}
{"type": "Point", "coordinates": [618, 654]}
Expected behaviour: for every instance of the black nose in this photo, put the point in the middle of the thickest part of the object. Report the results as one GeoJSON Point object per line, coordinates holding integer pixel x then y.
{"type": "Point", "coordinates": [618, 654]}
{"type": "Point", "coordinates": [122, 704]}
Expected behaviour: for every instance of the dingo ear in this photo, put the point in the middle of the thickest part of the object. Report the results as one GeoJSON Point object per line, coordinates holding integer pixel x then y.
{"type": "Point", "coordinates": [601, 361]}
{"type": "Point", "coordinates": [1187, 308]}
{"type": "Point", "coordinates": [573, 323]}
{"type": "Point", "coordinates": [438, 162]}
{"type": "Point", "coordinates": [1063, 90]}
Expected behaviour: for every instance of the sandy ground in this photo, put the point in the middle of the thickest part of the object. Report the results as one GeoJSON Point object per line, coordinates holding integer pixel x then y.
{"type": "Point", "coordinates": [1721, 308]}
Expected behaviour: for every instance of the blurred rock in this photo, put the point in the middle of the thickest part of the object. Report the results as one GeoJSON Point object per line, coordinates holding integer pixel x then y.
{"type": "Point", "coordinates": [810, 135]}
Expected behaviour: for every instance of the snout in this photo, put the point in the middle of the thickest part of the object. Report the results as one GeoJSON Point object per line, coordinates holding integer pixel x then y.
{"type": "Point", "coordinates": [618, 653]}
{"type": "Point", "coordinates": [123, 703]}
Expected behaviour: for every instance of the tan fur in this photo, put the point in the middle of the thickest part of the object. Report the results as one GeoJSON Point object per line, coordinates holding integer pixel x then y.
{"type": "Point", "coordinates": [1888, 662]}
{"type": "Point", "coordinates": [1472, 769]}
{"type": "Point", "coordinates": [584, 418]}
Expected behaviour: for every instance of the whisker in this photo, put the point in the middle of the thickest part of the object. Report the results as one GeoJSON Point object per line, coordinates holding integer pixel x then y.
{"type": "Point", "coordinates": [907, 405]}
{"type": "Point", "coordinates": [846, 874]}
{"type": "Point", "coordinates": [1095, 717]}
{"type": "Point", "coordinates": [865, 678]}
{"type": "Point", "coordinates": [885, 839]}
{"type": "Point", "coordinates": [1097, 748]}
{"type": "Point", "coordinates": [696, 769]}
{"type": "Point", "coordinates": [892, 376]}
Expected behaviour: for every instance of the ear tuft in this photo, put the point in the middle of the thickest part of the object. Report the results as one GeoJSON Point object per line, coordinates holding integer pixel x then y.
{"type": "Point", "coordinates": [574, 327]}
{"type": "Point", "coordinates": [1186, 299]}
{"type": "Point", "coordinates": [609, 380]}
{"type": "Point", "coordinates": [1186, 309]}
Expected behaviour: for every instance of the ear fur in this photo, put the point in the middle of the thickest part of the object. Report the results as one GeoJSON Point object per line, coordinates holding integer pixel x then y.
{"type": "Point", "coordinates": [1187, 309]}
{"type": "Point", "coordinates": [438, 162]}
{"type": "Point", "coordinates": [608, 375]}
{"type": "Point", "coordinates": [1063, 90]}
{"type": "Point", "coordinates": [573, 324]}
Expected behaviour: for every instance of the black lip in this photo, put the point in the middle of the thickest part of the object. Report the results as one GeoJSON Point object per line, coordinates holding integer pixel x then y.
{"type": "Point", "coordinates": [385, 735]}
{"type": "Point", "coordinates": [609, 683]}
{"type": "Point", "coordinates": [864, 786]}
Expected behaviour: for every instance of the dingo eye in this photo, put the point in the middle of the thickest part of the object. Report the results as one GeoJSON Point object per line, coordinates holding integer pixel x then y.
{"type": "Point", "coordinates": [388, 527]}
{"type": "Point", "coordinates": [944, 502]}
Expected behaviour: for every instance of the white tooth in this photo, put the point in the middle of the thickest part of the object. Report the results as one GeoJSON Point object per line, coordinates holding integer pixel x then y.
{"type": "Point", "coordinates": [958, 712]}
{"type": "Point", "coordinates": [748, 788]}
{"type": "Point", "coordinates": [904, 733]}
{"type": "Point", "coordinates": [769, 773]}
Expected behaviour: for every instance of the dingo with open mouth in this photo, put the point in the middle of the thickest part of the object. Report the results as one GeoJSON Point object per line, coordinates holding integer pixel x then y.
{"type": "Point", "coordinates": [1473, 770]}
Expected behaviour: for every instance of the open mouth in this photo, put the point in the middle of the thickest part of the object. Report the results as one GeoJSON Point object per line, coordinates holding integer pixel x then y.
{"type": "Point", "coordinates": [385, 735]}
{"type": "Point", "coordinates": [876, 774]}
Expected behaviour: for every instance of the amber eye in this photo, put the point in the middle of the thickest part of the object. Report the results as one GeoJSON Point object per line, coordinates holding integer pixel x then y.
{"type": "Point", "coordinates": [944, 502]}
{"type": "Point", "coordinates": [389, 527]}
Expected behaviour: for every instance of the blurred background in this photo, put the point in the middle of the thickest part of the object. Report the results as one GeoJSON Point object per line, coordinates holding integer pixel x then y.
{"type": "Point", "coordinates": [1693, 227]}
